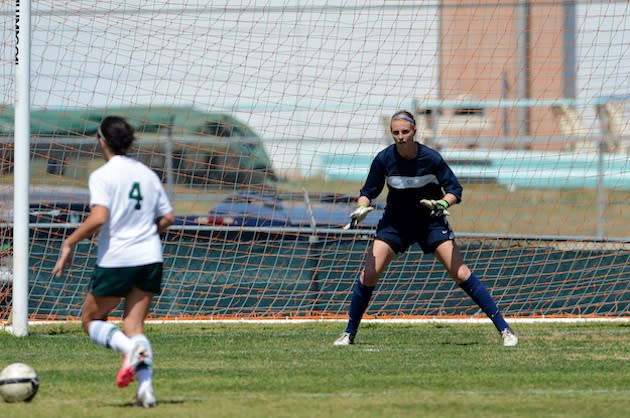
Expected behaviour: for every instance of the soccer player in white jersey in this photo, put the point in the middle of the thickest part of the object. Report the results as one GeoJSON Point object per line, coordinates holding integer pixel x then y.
{"type": "Point", "coordinates": [129, 208]}
{"type": "Point", "coordinates": [421, 187]}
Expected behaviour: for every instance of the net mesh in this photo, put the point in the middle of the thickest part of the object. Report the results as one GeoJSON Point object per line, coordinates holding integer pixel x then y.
{"type": "Point", "coordinates": [262, 120]}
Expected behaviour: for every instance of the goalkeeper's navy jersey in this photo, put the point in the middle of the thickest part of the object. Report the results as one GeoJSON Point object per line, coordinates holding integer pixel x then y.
{"type": "Point", "coordinates": [408, 181]}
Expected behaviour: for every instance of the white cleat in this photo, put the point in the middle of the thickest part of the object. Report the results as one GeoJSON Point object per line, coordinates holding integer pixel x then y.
{"type": "Point", "coordinates": [145, 397]}
{"type": "Point", "coordinates": [509, 338]}
{"type": "Point", "coordinates": [345, 339]}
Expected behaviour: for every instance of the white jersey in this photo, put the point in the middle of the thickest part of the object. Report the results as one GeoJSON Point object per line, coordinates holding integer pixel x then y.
{"type": "Point", "coordinates": [135, 198]}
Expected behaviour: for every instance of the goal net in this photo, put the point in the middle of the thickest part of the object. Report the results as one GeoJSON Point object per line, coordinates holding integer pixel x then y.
{"type": "Point", "coordinates": [262, 119]}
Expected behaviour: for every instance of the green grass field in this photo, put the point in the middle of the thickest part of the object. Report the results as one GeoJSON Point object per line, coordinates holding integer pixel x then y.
{"type": "Point", "coordinates": [293, 370]}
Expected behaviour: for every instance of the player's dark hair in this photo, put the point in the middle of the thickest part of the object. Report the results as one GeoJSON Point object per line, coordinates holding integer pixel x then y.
{"type": "Point", "coordinates": [405, 115]}
{"type": "Point", "coordinates": [118, 134]}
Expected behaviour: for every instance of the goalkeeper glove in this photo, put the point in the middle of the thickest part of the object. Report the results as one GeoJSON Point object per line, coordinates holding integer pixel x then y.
{"type": "Point", "coordinates": [438, 207]}
{"type": "Point", "coordinates": [358, 215]}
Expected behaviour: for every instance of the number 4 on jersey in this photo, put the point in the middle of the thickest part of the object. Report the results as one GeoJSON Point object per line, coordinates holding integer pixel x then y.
{"type": "Point", "coordinates": [135, 194]}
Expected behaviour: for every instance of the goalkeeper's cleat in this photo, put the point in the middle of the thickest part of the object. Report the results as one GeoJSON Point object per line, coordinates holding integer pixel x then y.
{"type": "Point", "coordinates": [145, 397]}
{"type": "Point", "coordinates": [345, 339]}
{"type": "Point", "coordinates": [131, 361]}
{"type": "Point", "coordinates": [509, 338]}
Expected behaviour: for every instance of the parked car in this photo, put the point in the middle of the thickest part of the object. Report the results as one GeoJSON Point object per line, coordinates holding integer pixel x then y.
{"type": "Point", "coordinates": [284, 210]}
{"type": "Point", "coordinates": [51, 209]}
{"type": "Point", "coordinates": [48, 204]}
{"type": "Point", "coordinates": [180, 143]}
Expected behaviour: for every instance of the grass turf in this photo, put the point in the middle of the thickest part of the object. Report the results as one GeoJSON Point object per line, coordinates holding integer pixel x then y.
{"type": "Point", "coordinates": [293, 370]}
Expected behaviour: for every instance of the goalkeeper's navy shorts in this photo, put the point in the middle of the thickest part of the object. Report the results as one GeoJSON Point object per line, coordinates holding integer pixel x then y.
{"type": "Point", "coordinates": [428, 235]}
{"type": "Point", "coordinates": [118, 281]}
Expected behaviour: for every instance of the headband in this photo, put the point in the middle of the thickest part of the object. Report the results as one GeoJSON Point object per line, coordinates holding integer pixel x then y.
{"type": "Point", "coordinates": [99, 132]}
{"type": "Point", "coordinates": [405, 117]}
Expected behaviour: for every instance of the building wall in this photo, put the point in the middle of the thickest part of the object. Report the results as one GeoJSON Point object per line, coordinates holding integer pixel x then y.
{"type": "Point", "coordinates": [479, 60]}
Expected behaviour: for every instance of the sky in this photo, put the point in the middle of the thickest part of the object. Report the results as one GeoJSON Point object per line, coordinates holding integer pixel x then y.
{"type": "Point", "coordinates": [291, 69]}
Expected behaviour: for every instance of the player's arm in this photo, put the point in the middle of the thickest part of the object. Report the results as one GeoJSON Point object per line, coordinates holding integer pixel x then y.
{"type": "Point", "coordinates": [163, 222]}
{"type": "Point", "coordinates": [451, 186]}
{"type": "Point", "coordinates": [449, 183]}
{"type": "Point", "coordinates": [373, 186]}
{"type": "Point", "coordinates": [97, 217]}
{"type": "Point", "coordinates": [451, 199]}
{"type": "Point", "coordinates": [363, 201]}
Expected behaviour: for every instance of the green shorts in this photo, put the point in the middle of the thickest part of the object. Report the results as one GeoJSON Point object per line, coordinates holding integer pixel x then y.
{"type": "Point", "coordinates": [118, 281]}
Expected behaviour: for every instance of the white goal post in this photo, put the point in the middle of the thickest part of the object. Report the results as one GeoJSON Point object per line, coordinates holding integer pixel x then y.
{"type": "Point", "coordinates": [19, 326]}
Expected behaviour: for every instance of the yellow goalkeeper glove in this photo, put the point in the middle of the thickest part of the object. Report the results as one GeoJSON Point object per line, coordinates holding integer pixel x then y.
{"type": "Point", "coordinates": [438, 207]}
{"type": "Point", "coordinates": [358, 215]}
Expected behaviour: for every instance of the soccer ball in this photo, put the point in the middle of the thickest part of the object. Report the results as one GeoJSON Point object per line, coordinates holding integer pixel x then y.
{"type": "Point", "coordinates": [18, 383]}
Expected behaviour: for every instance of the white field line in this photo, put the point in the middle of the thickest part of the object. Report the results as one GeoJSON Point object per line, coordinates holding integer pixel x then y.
{"type": "Point", "coordinates": [550, 320]}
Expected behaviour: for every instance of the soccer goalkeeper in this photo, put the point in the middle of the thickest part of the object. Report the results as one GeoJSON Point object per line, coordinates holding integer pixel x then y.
{"type": "Point", "coordinates": [422, 188]}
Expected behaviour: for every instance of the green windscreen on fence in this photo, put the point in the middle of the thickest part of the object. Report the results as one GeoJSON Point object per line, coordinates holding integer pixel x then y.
{"type": "Point", "coordinates": [215, 273]}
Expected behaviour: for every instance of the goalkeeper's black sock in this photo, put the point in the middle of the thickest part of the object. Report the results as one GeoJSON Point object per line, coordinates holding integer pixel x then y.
{"type": "Point", "coordinates": [478, 292]}
{"type": "Point", "coordinates": [361, 296]}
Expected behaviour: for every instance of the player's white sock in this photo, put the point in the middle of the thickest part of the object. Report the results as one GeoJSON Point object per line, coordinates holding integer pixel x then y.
{"type": "Point", "coordinates": [108, 335]}
{"type": "Point", "coordinates": [144, 374]}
